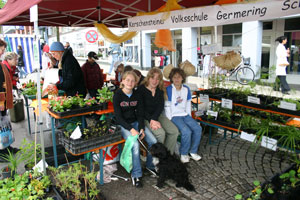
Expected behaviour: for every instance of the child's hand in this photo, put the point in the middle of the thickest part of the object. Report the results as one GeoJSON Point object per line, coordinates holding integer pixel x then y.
{"type": "Point", "coordinates": [134, 132]}
{"type": "Point", "coordinates": [142, 134]}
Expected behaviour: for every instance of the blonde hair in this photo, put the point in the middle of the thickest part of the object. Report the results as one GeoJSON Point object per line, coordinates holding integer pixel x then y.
{"type": "Point", "coordinates": [151, 74]}
{"type": "Point", "coordinates": [126, 74]}
{"type": "Point", "coordinates": [10, 56]}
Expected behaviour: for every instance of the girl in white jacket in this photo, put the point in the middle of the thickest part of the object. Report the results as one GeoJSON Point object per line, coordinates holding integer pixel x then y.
{"type": "Point", "coordinates": [178, 110]}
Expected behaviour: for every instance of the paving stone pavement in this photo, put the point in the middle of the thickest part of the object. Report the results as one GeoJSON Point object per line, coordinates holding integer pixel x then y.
{"type": "Point", "coordinates": [227, 168]}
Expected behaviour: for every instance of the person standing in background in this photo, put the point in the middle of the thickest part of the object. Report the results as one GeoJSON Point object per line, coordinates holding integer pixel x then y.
{"type": "Point", "coordinates": [6, 100]}
{"type": "Point", "coordinates": [115, 52]}
{"type": "Point", "coordinates": [71, 76]}
{"type": "Point", "coordinates": [92, 74]}
{"type": "Point", "coordinates": [281, 63]}
{"type": "Point", "coordinates": [22, 73]}
{"type": "Point", "coordinates": [11, 61]}
{"type": "Point", "coordinates": [67, 46]}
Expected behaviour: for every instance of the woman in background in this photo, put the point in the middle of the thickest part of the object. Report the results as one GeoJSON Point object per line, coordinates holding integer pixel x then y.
{"type": "Point", "coordinates": [11, 61]}
{"type": "Point", "coordinates": [21, 66]}
{"type": "Point", "coordinates": [6, 102]}
{"type": "Point", "coordinates": [281, 64]}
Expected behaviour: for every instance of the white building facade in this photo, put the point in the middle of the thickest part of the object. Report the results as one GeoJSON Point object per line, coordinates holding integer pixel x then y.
{"type": "Point", "coordinates": [254, 39]}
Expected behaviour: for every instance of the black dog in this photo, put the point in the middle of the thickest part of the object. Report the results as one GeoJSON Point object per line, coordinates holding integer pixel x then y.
{"type": "Point", "coordinates": [169, 167]}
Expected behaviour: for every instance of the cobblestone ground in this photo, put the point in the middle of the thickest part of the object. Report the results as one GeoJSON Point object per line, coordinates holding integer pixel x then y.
{"type": "Point", "coordinates": [227, 168]}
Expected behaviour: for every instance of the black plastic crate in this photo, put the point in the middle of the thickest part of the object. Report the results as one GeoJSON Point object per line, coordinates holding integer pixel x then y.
{"type": "Point", "coordinates": [82, 145]}
{"type": "Point", "coordinates": [78, 110]}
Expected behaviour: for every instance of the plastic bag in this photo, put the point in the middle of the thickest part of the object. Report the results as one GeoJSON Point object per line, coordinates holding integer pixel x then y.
{"type": "Point", "coordinates": [6, 136]}
{"type": "Point", "coordinates": [126, 156]}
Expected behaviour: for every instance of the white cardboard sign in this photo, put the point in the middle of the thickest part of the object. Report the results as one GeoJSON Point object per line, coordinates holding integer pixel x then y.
{"type": "Point", "coordinates": [76, 133]}
{"type": "Point", "coordinates": [227, 103]}
{"type": "Point", "coordinates": [204, 98]}
{"type": "Point", "coordinates": [287, 105]}
{"type": "Point", "coordinates": [212, 113]}
{"type": "Point", "coordinates": [247, 136]}
{"type": "Point", "coordinates": [269, 143]}
{"type": "Point", "coordinates": [252, 99]}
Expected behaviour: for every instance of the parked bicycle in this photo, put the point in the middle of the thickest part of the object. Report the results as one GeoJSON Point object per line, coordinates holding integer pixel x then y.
{"type": "Point", "coordinates": [243, 72]}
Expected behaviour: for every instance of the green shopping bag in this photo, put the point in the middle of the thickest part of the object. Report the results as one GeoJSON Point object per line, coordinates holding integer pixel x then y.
{"type": "Point", "coordinates": [126, 156]}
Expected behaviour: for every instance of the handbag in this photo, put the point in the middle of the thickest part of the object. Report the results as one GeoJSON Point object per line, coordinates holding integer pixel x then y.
{"type": "Point", "coordinates": [6, 136]}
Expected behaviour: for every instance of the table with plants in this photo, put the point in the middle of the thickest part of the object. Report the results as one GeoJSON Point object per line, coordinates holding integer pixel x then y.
{"type": "Point", "coordinates": [94, 138]}
{"type": "Point", "coordinates": [29, 91]}
{"type": "Point", "coordinates": [73, 182]}
{"type": "Point", "coordinates": [264, 120]}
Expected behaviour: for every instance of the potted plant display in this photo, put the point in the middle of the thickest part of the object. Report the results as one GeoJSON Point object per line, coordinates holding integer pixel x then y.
{"type": "Point", "coordinates": [14, 160]}
{"type": "Point", "coordinates": [29, 186]}
{"type": "Point", "coordinates": [104, 96]}
{"type": "Point", "coordinates": [75, 182]}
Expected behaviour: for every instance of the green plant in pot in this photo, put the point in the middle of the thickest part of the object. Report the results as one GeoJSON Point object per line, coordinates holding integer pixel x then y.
{"type": "Point", "coordinates": [31, 153]}
{"type": "Point", "coordinates": [75, 182]}
{"type": "Point", "coordinates": [104, 96]}
{"type": "Point", "coordinates": [14, 160]}
{"type": "Point", "coordinates": [29, 186]}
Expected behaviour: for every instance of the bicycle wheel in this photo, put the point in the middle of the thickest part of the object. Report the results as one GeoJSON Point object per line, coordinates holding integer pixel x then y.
{"type": "Point", "coordinates": [244, 75]}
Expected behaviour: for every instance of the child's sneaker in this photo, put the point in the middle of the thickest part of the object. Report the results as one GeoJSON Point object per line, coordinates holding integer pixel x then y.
{"type": "Point", "coordinates": [184, 158]}
{"type": "Point", "coordinates": [195, 156]}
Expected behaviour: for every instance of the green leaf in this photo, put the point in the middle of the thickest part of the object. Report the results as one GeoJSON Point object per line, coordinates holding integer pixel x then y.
{"type": "Point", "coordinates": [258, 191]}
{"type": "Point", "coordinates": [256, 183]}
{"type": "Point", "coordinates": [270, 191]}
{"type": "Point", "coordinates": [238, 196]}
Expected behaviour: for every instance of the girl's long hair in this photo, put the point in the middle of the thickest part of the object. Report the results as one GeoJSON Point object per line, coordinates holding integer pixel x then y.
{"type": "Point", "coordinates": [151, 73]}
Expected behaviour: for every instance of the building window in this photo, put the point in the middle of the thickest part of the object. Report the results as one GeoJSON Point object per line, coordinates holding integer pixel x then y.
{"type": "Point", "coordinates": [292, 24]}
{"type": "Point", "coordinates": [205, 35]}
{"type": "Point", "coordinates": [232, 35]}
{"type": "Point", "coordinates": [267, 25]}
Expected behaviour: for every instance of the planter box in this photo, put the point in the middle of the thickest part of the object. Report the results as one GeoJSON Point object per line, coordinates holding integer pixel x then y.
{"type": "Point", "coordinates": [81, 145]}
{"type": "Point", "coordinates": [61, 159]}
{"type": "Point", "coordinates": [77, 110]}
{"type": "Point", "coordinates": [61, 196]}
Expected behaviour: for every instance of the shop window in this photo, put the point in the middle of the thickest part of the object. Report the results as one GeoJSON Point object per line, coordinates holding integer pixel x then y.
{"type": "Point", "coordinates": [232, 35]}
{"type": "Point", "coordinates": [232, 28]}
{"type": "Point", "coordinates": [205, 35]}
{"type": "Point", "coordinates": [267, 25]}
{"type": "Point", "coordinates": [136, 54]}
{"type": "Point", "coordinates": [292, 24]}
{"type": "Point", "coordinates": [294, 58]}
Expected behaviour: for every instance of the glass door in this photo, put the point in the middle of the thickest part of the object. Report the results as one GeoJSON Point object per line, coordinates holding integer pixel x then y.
{"type": "Point", "coordinates": [293, 44]}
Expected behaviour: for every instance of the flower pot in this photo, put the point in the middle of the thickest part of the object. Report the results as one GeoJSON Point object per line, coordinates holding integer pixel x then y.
{"type": "Point", "coordinates": [6, 173]}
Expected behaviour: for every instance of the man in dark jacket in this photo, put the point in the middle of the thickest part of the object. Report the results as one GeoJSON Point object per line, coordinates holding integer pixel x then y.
{"type": "Point", "coordinates": [71, 76]}
{"type": "Point", "coordinates": [92, 74]}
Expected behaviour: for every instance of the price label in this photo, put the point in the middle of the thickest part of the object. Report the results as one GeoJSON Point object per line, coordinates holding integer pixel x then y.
{"type": "Point", "coordinates": [269, 143]}
{"type": "Point", "coordinates": [212, 113]}
{"type": "Point", "coordinates": [247, 136]}
{"type": "Point", "coordinates": [287, 105]}
{"type": "Point", "coordinates": [227, 103]}
{"type": "Point", "coordinates": [204, 98]}
{"type": "Point", "coordinates": [253, 100]}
